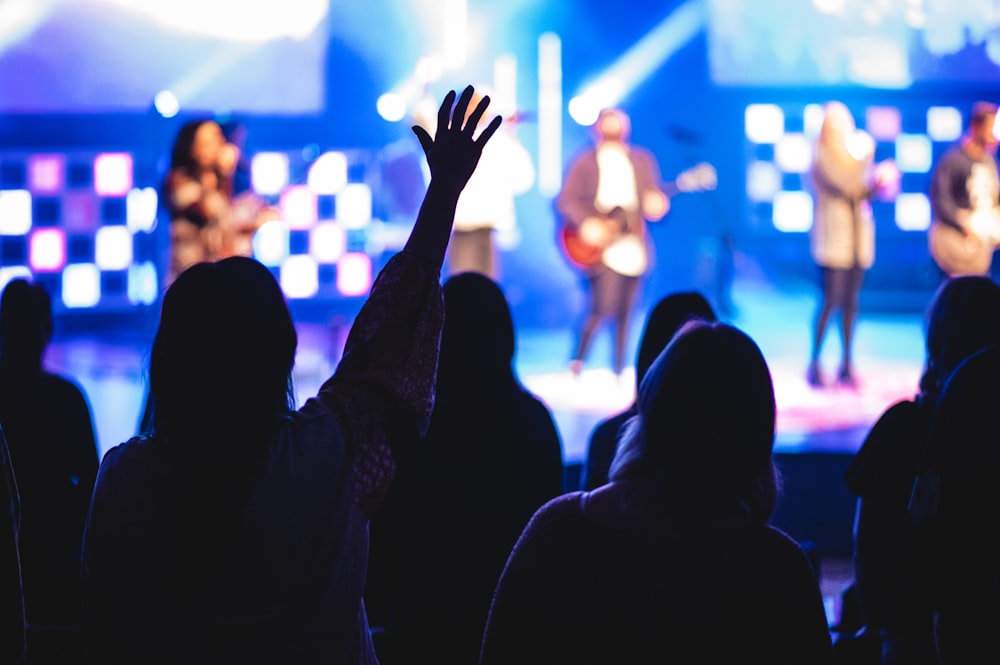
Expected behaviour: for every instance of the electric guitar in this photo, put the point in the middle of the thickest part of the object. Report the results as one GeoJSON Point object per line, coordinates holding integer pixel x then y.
{"type": "Point", "coordinates": [969, 253]}
{"type": "Point", "coordinates": [606, 238]}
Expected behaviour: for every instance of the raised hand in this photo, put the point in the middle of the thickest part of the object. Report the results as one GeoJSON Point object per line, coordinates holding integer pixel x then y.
{"type": "Point", "coordinates": [453, 153]}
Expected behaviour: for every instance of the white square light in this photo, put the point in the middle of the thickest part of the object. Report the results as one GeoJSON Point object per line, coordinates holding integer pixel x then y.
{"type": "Point", "coordinates": [354, 274]}
{"type": "Point", "coordinates": [113, 174]}
{"type": "Point", "coordinates": [763, 181]}
{"type": "Point", "coordinates": [913, 212]}
{"type": "Point", "coordinates": [764, 123]}
{"type": "Point", "coordinates": [298, 207]}
{"type": "Point", "coordinates": [793, 153]}
{"type": "Point", "coordinates": [141, 206]}
{"type": "Point", "coordinates": [327, 242]}
{"type": "Point", "coordinates": [47, 250]}
{"type": "Point", "coordinates": [270, 243]}
{"type": "Point", "coordinates": [113, 248]}
{"type": "Point", "coordinates": [81, 285]}
{"type": "Point", "coordinates": [143, 283]}
{"type": "Point", "coordinates": [913, 153]}
{"type": "Point", "coordinates": [269, 172]}
{"type": "Point", "coordinates": [15, 212]}
{"type": "Point", "coordinates": [354, 206]}
{"type": "Point", "coordinates": [299, 276]}
{"type": "Point", "coordinates": [328, 173]}
{"type": "Point", "coordinates": [944, 123]}
{"type": "Point", "coordinates": [792, 211]}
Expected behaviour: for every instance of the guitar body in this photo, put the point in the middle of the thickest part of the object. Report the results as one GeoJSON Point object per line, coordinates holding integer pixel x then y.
{"type": "Point", "coordinates": [606, 239]}
{"type": "Point", "coordinates": [959, 254]}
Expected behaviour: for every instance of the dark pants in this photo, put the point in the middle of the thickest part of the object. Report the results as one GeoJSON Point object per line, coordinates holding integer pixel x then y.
{"type": "Point", "coordinates": [841, 291]}
{"type": "Point", "coordinates": [612, 296]}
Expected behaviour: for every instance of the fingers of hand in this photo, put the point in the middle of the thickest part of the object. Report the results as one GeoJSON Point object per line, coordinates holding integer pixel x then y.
{"type": "Point", "coordinates": [476, 115]}
{"type": "Point", "coordinates": [458, 115]}
{"type": "Point", "coordinates": [426, 142]}
{"type": "Point", "coordinates": [444, 111]}
{"type": "Point", "coordinates": [490, 129]}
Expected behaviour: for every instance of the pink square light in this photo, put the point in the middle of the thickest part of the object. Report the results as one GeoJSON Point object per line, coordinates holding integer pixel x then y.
{"type": "Point", "coordinates": [47, 250]}
{"type": "Point", "coordinates": [298, 207]}
{"type": "Point", "coordinates": [113, 174]}
{"type": "Point", "coordinates": [354, 274]}
{"type": "Point", "coordinates": [46, 174]}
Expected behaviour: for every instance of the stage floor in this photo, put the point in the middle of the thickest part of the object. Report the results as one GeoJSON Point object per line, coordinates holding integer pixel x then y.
{"type": "Point", "coordinates": [110, 366]}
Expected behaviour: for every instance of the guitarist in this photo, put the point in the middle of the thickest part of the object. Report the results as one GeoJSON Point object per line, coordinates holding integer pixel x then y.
{"type": "Point", "coordinates": [610, 189]}
{"type": "Point", "coordinates": [965, 194]}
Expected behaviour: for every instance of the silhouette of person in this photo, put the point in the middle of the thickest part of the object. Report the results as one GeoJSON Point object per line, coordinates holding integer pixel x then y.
{"type": "Point", "coordinates": [12, 634]}
{"type": "Point", "coordinates": [666, 317]}
{"type": "Point", "coordinates": [491, 457]}
{"type": "Point", "coordinates": [238, 530]}
{"type": "Point", "coordinates": [842, 236]}
{"type": "Point", "coordinates": [614, 176]}
{"type": "Point", "coordinates": [47, 421]}
{"type": "Point", "coordinates": [673, 559]}
{"type": "Point", "coordinates": [963, 317]}
{"type": "Point", "coordinates": [960, 531]}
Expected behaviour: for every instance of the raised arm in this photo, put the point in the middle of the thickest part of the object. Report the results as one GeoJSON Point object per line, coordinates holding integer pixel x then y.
{"type": "Point", "coordinates": [452, 156]}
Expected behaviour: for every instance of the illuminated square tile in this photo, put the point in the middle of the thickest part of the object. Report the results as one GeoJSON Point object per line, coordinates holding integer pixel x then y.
{"type": "Point", "coordinates": [328, 174]}
{"type": "Point", "coordinates": [354, 274]}
{"type": "Point", "coordinates": [299, 277]}
{"type": "Point", "coordinates": [763, 181]}
{"type": "Point", "coordinates": [944, 123]}
{"type": "Point", "coordinates": [270, 243]}
{"type": "Point", "coordinates": [46, 174]}
{"type": "Point", "coordinates": [81, 285]}
{"type": "Point", "coordinates": [327, 242]}
{"type": "Point", "coordinates": [47, 251]}
{"type": "Point", "coordinates": [269, 172]}
{"type": "Point", "coordinates": [15, 212]}
{"type": "Point", "coordinates": [354, 206]}
{"type": "Point", "coordinates": [113, 174]}
{"type": "Point", "coordinates": [792, 211]}
{"type": "Point", "coordinates": [113, 248]}
{"type": "Point", "coordinates": [80, 211]}
{"type": "Point", "coordinates": [10, 273]}
{"type": "Point", "coordinates": [884, 123]}
{"type": "Point", "coordinates": [812, 120]}
{"type": "Point", "coordinates": [913, 212]}
{"type": "Point", "coordinates": [913, 153]}
{"type": "Point", "coordinates": [793, 153]}
{"type": "Point", "coordinates": [143, 283]}
{"type": "Point", "coordinates": [764, 123]}
{"type": "Point", "coordinates": [141, 207]}
{"type": "Point", "coordinates": [298, 207]}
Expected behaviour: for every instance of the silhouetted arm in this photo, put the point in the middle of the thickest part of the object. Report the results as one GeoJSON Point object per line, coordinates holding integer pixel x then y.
{"type": "Point", "coordinates": [12, 636]}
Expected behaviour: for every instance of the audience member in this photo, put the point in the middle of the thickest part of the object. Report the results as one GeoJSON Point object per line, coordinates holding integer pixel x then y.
{"type": "Point", "coordinates": [963, 317]}
{"type": "Point", "coordinates": [674, 559]}
{"type": "Point", "coordinates": [47, 420]}
{"type": "Point", "coordinates": [12, 637]}
{"type": "Point", "coordinates": [491, 457]}
{"type": "Point", "coordinates": [238, 530]}
{"type": "Point", "coordinates": [666, 317]}
{"type": "Point", "coordinates": [959, 521]}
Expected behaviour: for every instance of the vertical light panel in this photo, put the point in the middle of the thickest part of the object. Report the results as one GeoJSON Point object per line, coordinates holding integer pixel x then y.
{"type": "Point", "coordinates": [140, 210]}
{"type": "Point", "coordinates": [549, 114]}
{"type": "Point", "coordinates": [143, 285]}
{"type": "Point", "coordinates": [504, 100]}
{"type": "Point", "coordinates": [456, 34]}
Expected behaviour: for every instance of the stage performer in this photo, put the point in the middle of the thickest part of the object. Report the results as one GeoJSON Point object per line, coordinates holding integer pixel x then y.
{"type": "Point", "coordinates": [609, 193]}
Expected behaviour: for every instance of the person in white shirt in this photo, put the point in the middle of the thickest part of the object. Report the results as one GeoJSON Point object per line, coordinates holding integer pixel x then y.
{"type": "Point", "coordinates": [609, 193]}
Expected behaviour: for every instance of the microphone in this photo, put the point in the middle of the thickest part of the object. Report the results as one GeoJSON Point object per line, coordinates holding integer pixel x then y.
{"type": "Point", "coordinates": [682, 135]}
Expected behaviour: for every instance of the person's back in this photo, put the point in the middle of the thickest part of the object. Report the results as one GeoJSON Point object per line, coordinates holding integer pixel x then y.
{"type": "Point", "coordinates": [491, 457]}
{"type": "Point", "coordinates": [893, 591]}
{"type": "Point", "coordinates": [674, 558]}
{"type": "Point", "coordinates": [237, 530]}
{"type": "Point", "coordinates": [50, 433]}
{"type": "Point", "coordinates": [666, 317]}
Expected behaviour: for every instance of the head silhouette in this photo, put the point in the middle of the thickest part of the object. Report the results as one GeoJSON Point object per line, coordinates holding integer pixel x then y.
{"type": "Point", "coordinates": [25, 324]}
{"type": "Point", "coordinates": [663, 321]}
{"type": "Point", "coordinates": [223, 353]}
{"type": "Point", "coordinates": [963, 317]}
{"type": "Point", "coordinates": [477, 341]}
{"type": "Point", "coordinates": [700, 448]}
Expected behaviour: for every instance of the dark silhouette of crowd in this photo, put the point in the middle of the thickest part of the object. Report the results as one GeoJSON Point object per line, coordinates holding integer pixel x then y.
{"type": "Point", "coordinates": [414, 509]}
